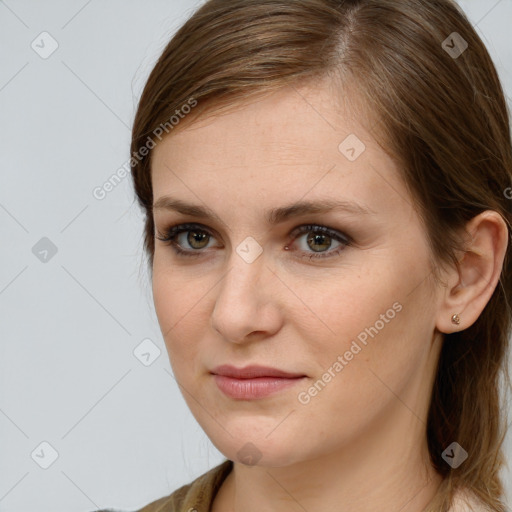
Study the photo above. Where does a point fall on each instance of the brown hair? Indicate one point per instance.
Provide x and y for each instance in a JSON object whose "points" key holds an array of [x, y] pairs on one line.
{"points": [[442, 116]]}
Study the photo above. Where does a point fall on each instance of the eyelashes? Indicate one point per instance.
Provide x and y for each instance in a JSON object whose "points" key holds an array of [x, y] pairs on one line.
{"points": [[319, 235]]}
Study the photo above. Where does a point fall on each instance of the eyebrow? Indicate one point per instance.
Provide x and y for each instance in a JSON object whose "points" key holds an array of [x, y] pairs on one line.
{"points": [[273, 216]]}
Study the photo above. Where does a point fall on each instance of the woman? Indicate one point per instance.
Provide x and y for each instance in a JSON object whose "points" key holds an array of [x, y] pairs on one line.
{"points": [[326, 187]]}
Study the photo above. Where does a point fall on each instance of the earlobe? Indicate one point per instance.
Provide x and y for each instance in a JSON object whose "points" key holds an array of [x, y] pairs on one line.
{"points": [[479, 271]]}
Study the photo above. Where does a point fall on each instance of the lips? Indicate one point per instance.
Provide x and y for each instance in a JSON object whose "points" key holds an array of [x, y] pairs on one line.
{"points": [[253, 371], [253, 382]]}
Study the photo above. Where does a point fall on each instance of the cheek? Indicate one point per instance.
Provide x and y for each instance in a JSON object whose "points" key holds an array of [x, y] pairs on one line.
{"points": [[178, 293], [336, 307], [369, 318], [181, 307], [348, 394]]}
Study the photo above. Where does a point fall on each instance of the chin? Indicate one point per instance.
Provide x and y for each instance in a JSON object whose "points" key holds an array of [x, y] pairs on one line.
{"points": [[259, 451]]}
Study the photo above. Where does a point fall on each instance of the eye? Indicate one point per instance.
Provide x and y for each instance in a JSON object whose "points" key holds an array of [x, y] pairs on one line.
{"points": [[319, 240], [197, 238]]}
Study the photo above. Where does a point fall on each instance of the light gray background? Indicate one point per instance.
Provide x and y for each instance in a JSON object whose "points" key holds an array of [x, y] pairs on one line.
{"points": [[69, 326]]}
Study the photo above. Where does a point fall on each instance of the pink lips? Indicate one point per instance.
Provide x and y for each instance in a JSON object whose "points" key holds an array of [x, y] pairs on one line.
{"points": [[253, 382]]}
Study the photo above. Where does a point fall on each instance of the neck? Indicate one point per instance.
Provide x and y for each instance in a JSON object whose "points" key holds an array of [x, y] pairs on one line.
{"points": [[386, 468]]}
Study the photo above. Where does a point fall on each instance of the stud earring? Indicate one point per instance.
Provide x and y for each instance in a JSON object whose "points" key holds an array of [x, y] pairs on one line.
{"points": [[456, 319]]}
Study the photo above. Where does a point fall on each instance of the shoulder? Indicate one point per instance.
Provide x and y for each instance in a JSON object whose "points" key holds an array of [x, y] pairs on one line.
{"points": [[466, 501], [196, 496]]}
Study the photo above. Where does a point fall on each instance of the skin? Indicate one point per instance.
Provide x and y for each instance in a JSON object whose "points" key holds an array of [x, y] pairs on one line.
{"points": [[360, 444]]}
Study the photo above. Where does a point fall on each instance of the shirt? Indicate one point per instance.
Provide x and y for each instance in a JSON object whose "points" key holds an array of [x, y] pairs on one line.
{"points": [[194, 497], [198, 495]]}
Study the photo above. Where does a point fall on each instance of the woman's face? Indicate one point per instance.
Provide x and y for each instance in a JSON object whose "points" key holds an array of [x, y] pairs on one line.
{"points": [[355, 320]]}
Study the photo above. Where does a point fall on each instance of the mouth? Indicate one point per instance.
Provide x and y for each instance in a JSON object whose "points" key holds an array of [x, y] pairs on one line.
{"points": [[253, 382]]}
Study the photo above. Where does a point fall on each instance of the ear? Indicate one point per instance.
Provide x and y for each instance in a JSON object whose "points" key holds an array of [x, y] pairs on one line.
{"points": [[469, 290]]}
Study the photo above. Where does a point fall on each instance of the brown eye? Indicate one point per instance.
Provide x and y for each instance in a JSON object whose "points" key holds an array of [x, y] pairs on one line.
{"points": [[186, 239], [319, 240], [197, 237], [324, 241]]}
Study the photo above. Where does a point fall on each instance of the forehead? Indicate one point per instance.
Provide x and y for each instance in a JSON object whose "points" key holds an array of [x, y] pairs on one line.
{"points": [[306, 115], [299, 142]]}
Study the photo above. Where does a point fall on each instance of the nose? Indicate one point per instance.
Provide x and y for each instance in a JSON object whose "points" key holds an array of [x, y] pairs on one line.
{"points": [[247, 303]]}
